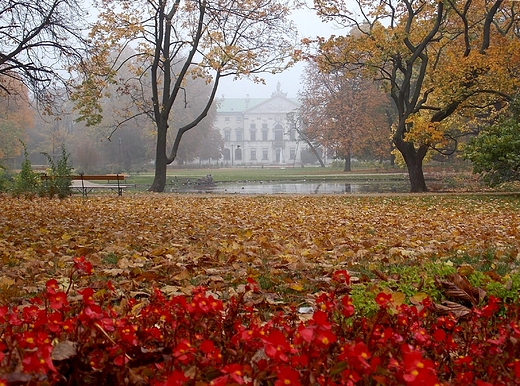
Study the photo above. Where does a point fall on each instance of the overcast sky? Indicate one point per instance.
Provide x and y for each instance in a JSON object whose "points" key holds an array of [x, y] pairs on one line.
{"points": [[309, 25]]}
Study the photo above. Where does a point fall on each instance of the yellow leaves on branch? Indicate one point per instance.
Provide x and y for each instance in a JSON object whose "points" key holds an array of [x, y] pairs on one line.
{"points": [[423, 131]]}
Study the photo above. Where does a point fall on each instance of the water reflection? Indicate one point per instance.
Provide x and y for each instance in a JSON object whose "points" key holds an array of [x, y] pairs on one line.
{"points": [[301, 188]]}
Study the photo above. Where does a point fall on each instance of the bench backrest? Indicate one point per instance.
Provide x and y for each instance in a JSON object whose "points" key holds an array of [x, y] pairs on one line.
{"points": [[85, 177]]}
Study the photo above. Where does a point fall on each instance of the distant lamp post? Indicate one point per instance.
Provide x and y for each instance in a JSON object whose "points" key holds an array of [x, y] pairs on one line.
{"points": [[233, 154], [119, 155]]}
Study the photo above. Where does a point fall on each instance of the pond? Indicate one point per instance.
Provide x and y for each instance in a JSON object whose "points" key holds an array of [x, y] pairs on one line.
{"points": [[301, 187]]}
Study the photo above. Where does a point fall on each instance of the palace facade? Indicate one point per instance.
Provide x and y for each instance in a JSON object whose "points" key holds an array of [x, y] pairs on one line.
{"points": [[257, 131]]}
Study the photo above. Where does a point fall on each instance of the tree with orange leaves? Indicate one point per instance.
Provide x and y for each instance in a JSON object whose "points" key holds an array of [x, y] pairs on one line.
{"points": [[445, 64], [16, 116], [347, 116]]}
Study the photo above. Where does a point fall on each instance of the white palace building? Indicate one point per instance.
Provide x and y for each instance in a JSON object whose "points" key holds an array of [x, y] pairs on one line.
{"points": [[257, 131]]}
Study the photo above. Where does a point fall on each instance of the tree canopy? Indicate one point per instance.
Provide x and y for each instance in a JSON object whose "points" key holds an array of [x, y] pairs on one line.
{"points": [[445, 64], [495, 152], [346, 115], [16, 117], [176, 40], [39, 42]]}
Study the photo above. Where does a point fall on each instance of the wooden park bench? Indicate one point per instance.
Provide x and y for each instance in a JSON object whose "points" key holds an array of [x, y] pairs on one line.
{"points": [[83, 182]]}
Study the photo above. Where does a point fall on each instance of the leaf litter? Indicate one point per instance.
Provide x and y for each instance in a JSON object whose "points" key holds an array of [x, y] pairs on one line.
{"points": [[289, 244]]}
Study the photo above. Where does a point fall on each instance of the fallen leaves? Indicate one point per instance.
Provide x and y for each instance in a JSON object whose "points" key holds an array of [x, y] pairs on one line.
{"points": [[175, 242]]}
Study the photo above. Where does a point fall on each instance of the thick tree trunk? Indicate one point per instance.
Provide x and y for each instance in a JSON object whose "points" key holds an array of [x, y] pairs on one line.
{"points": [[416, 176], [348, 164], [161, 160], [414, 163]]}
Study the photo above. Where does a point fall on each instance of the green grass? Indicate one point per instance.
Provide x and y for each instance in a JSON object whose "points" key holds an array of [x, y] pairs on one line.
{"points": [[225, 175]]}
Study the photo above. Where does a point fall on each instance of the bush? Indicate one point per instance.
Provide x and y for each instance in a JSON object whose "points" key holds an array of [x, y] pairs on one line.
{"points": [[6, 179], [495, 152], [27, 183], [60, 176]]}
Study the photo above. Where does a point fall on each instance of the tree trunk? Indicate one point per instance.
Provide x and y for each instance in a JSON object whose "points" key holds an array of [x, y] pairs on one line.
{"points": [[416, 176], [161, 160], [414, 163], [348, 164]]}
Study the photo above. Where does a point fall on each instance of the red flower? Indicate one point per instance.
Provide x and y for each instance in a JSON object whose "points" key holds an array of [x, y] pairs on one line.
{"points": [[235, 371], [351, 376], [491, 308], [209, 349], [361, 352], [82, 265], [183, 351], [307, 334], [97, 359], [439, 335], [33, 363], [204, 304], [88, 295], [357, 355], [35, 316], [52, 286], [287, 376], [28, 340], [13, 318], [92, 312], [516, 368], [54, 321], [69, 325], [277, 346], [340, 276], [348, 307], [58, 300], [127, 333], [326, 302], [39, 361], [418, 371], [176, 378], [421, 335], [321, 319], [383, 299], [324, 338]]}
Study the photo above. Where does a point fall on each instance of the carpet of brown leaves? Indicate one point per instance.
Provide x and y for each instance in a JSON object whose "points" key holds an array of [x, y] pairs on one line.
{"points": [[174, 242]]}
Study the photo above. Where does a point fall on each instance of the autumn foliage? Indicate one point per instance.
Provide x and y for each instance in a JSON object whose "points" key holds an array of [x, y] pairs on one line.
{"points": [[173, 290], [447, 65]]}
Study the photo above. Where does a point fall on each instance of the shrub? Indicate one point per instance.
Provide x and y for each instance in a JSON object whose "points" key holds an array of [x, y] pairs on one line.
{"points": [[60, 176], [6, 179], [27, 182]]}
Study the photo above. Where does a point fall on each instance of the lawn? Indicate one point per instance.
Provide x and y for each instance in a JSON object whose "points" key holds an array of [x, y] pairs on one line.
{"points": [[280, 261], [257, 174]]}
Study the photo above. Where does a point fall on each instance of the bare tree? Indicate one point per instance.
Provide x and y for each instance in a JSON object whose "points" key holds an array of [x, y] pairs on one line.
{"points": [[39, 42], [179, 39]]}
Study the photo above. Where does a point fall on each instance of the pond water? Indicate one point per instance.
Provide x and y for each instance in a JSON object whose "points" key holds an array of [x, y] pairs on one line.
{"points": [[305, 187]]}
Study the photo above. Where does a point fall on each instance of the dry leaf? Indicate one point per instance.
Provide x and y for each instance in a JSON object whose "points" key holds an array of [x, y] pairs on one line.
{"points": [[64, 350], [417, 298], [459, 288], [447, 307]]}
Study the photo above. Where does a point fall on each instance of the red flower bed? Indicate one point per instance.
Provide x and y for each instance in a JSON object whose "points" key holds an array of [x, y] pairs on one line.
{"points": [[98, 337]]}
